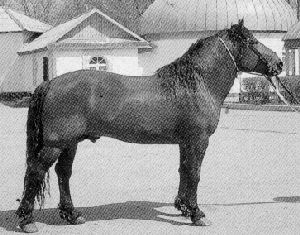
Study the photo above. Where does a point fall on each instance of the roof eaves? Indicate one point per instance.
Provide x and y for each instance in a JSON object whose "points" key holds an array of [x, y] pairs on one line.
{"points": [[32, 51], [73, 23], [11, 13], [119, 25], [26, 48], [13, 18], [72, 26]]}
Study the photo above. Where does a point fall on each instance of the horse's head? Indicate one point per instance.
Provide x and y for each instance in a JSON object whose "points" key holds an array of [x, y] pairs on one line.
{"points": [[251, 55]]}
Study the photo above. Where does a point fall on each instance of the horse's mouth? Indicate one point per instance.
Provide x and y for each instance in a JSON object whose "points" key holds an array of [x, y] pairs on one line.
{"points": [[274, 70]]}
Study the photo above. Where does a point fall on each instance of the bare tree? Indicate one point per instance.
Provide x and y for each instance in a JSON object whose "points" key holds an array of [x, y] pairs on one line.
{"points": [[43, 10], [70, 9], [3, 2], [298, 9]]}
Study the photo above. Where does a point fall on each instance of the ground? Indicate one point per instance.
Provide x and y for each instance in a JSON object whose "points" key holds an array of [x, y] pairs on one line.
{"points": [[249, 180]]}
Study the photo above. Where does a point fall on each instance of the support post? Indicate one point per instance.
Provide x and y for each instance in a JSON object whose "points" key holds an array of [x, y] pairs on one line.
{"points": [[298, 61], [293, 67], [287, 61]]}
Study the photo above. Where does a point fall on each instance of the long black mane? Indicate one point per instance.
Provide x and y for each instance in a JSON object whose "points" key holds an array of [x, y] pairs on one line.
{"points": [[184, 72]]}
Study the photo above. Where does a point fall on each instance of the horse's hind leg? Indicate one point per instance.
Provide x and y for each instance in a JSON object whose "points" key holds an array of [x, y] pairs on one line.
{"points": [[192, 151], [63, 169], [34, 185]]}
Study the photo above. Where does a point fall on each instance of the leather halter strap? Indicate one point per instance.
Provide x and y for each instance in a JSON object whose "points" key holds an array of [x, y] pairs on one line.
{"points": [[233, 60]]}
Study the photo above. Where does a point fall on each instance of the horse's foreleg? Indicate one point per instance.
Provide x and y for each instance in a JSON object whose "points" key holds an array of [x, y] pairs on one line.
{"points": [[179, 201], [192, 151], [63, 169], [33, 182]]}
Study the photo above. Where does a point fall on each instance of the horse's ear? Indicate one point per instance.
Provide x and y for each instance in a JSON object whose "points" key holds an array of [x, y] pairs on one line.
{"points": [[241, 22]]}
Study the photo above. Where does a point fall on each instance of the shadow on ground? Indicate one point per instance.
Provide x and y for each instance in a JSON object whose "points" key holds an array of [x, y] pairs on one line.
{"points": [[292, 199], [135, 210]]}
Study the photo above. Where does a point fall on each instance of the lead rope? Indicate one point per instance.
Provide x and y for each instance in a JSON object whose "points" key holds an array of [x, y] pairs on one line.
{"points": [[276, 88], [272, 84]]}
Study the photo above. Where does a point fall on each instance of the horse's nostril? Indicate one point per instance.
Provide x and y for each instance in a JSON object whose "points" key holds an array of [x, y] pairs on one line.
{"points": [[280, 65]]}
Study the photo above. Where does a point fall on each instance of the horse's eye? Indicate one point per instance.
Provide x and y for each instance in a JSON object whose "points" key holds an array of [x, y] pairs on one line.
{"points": [[252, 40]]}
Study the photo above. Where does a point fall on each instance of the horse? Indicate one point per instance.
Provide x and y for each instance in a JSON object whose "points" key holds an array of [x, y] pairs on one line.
{"points": [[179, 104]]}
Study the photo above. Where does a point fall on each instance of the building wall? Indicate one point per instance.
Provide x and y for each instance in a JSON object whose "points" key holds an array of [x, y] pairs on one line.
{"points": [[122, 61], [20, 76], [10, 43]]}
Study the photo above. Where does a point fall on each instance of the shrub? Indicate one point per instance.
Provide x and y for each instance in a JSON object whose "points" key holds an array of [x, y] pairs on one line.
{"points": [[256, 90], [14, 96]]}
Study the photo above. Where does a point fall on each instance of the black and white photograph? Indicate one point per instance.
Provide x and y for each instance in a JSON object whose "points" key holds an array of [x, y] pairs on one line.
{"points": [[150, 117]]}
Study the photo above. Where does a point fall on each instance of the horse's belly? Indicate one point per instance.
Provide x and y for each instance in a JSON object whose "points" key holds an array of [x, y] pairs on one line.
{"points": [[131, 131], [137, 120], [143, 138]]}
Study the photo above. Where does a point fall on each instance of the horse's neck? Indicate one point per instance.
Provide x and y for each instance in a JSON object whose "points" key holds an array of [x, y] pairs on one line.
{"points": [[217, 69]]}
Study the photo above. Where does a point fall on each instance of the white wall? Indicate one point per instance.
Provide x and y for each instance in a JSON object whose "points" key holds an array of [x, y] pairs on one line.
{"points": [[27, 71], [10, 43], [20, 76], [122, 61]]}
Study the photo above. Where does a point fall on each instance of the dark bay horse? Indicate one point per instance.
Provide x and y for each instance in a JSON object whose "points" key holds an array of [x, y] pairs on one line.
{"points": [[179, 104]]}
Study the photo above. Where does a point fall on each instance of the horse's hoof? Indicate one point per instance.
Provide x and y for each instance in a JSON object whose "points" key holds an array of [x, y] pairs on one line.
{"points": [[79, 220], [202, 222], [29, 228]]}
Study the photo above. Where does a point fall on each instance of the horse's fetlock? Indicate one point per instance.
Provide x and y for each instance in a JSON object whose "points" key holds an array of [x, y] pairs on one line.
{"points": [[180, 205], [25, 216], [69, 214], [196, 214]]}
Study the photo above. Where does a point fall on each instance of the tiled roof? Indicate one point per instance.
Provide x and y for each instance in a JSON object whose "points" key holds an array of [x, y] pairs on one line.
{"points": [[12, 21], [53, 35], [172, 16]]}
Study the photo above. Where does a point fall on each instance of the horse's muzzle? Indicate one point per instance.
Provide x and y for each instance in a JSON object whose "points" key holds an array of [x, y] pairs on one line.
{"points": [[274, 70]]}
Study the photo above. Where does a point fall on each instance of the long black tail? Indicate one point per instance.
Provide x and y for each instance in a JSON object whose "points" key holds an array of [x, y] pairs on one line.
{"points": [[35, 134]]}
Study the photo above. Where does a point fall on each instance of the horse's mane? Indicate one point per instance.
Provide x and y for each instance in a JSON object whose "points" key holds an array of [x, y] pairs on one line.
{"points": [[181, 72]]}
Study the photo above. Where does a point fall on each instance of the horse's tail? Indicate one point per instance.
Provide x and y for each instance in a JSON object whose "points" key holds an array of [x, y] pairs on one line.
{"points": [[35, 135]]}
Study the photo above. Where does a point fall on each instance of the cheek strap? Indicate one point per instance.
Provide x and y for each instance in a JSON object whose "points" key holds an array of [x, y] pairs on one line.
{"points": [[233, 60]]}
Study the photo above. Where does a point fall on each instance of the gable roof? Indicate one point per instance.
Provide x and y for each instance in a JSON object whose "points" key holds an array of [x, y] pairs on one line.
{"points": [[12, 21], [53, 35]]}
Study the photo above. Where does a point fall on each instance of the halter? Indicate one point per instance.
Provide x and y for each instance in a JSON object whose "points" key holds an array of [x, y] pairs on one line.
{"points": [[233, 60], [262, 58], [255, 51]]}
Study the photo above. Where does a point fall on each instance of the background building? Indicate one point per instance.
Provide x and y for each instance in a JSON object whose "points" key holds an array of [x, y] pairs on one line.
{"points": [[93, 40], [15, 30], [173, 25], [90, 41]]}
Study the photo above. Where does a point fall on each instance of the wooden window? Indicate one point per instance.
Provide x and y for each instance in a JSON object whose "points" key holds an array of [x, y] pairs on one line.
{"points": [[45, 69], [98, 63]]}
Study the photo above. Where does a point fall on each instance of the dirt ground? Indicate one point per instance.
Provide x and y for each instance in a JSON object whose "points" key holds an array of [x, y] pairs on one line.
{"points": [[249, 180]]}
